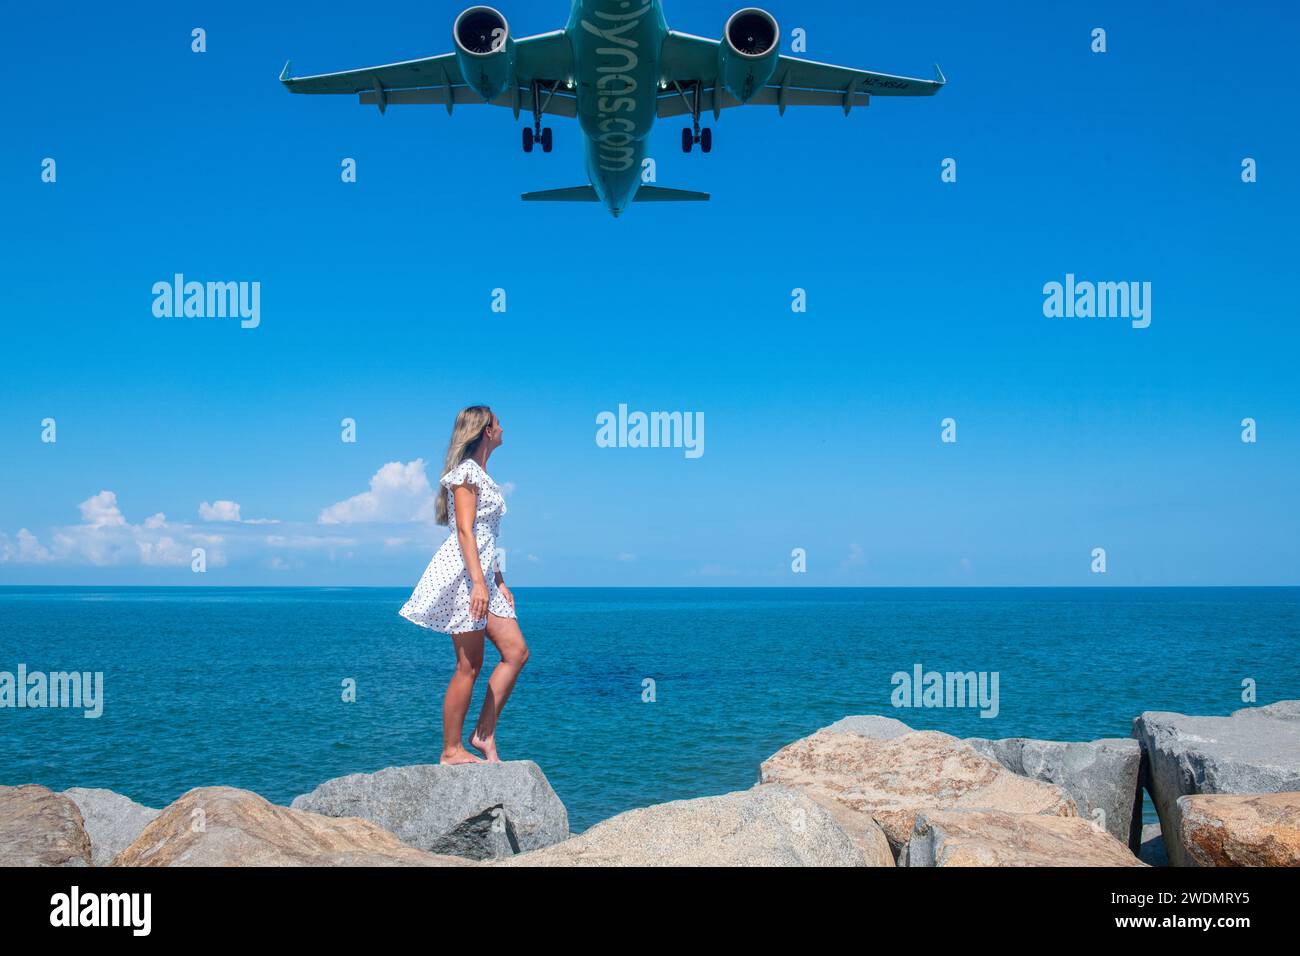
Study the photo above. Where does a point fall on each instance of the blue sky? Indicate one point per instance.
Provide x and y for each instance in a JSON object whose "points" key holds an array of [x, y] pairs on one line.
{"points": [[822, 429]]}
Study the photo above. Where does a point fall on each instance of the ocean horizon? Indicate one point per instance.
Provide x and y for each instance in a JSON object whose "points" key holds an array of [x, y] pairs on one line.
{"points": [[632, 696]]}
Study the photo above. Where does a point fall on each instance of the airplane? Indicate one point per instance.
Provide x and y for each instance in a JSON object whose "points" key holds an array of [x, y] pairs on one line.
{"points": [[616, 68]]}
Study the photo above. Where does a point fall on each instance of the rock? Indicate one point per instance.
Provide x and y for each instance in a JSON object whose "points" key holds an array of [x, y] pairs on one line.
{"points": [[39, 827], [866, 833], [1101, 775], [488, 836], [112, 821], [891, 780], [997, 838], [762, 826], [430, 806], [1240, 830], [222, 826], [1255, 750], [869, 725], [1278, 710], [1152, 852]]}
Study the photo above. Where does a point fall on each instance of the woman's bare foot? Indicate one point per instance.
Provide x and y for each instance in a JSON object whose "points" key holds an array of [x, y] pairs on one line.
{"points": [[485, 745], [459, 755]]}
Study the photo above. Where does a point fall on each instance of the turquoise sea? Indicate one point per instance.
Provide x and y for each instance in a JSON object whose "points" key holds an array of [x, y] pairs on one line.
{"points": [[244, 687]]}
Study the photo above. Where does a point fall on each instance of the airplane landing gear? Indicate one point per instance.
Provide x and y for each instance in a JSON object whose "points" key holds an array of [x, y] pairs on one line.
{"points": [[542, 136], [702, 136], [538, 133], [693, 134]]}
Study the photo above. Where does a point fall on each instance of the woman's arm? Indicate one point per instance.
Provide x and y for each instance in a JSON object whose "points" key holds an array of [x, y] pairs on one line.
{"points": [[505, 591], [466, 509]]}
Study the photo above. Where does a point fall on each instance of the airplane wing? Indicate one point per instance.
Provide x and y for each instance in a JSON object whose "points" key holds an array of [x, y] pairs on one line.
{"points": [[689, 60], [546, 58]]}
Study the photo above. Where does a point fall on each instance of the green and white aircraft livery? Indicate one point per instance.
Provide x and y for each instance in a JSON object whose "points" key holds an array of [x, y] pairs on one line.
{"points": [[616, 68]]}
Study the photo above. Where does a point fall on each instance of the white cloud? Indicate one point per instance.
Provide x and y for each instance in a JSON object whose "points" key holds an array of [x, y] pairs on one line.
{"points": [[101, 511], [398, 493], [399, 503], [105, 538], [165, 551], [229, 512], [219, 511], [309, 542], [27, 551]]}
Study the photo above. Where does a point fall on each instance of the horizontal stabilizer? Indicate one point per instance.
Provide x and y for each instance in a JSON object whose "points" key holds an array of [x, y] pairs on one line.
{"points": [[659, 194], [572, 194]]}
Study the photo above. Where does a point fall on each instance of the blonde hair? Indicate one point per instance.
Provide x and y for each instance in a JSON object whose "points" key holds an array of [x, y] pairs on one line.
{"points": [[465, 438]]}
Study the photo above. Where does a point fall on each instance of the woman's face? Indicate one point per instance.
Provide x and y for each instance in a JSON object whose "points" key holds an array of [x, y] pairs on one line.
{"points": [[494, 433]]}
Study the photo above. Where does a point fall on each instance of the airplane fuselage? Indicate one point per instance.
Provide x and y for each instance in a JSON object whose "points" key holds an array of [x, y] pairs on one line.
{"points": [[615, 66], [616, 53]]}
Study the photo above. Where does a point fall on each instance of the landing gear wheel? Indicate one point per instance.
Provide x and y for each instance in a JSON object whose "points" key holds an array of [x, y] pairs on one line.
{"points": [[547, 140], [706, 139], [688, 140], [528, 139]]}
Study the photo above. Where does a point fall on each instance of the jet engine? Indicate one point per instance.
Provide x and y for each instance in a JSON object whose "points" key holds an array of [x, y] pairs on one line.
{"points": [[751, 47], [485, 51]]}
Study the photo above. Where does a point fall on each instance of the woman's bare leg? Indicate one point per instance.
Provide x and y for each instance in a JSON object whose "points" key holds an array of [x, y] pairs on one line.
{"points": [[504, 632], [469, 661]]}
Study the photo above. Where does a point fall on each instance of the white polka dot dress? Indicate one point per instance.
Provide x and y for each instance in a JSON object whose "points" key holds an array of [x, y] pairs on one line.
{"points": [[440, 601]]}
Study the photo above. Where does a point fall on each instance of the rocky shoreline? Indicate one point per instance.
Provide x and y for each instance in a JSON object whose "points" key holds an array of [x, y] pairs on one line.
{"points": [[864, 791]]}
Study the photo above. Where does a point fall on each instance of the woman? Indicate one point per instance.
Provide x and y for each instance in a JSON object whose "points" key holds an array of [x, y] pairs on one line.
{"points": [[454, 595]]}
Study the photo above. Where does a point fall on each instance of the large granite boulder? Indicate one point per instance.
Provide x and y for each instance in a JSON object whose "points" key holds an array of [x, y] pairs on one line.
{"points": [[889, 781], [222, 826], [997, 838], [112, 821], [480, 811], [1240, 830], [1278, 710], [762, 826], [1255, 750], [1104, 776], [39, 827], [870, 725]]}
